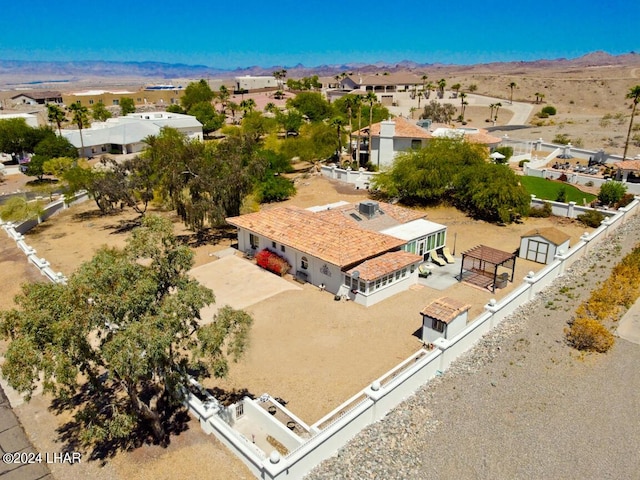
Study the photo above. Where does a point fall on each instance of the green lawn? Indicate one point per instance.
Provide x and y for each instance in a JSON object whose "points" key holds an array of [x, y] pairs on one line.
{"points": [[548, 190]]}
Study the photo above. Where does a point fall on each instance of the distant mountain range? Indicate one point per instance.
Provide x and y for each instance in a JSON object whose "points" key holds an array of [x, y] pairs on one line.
{"points": [[38, 72]]}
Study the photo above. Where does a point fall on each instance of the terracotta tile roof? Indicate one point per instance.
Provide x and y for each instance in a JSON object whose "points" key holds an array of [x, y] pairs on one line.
{"points": [[391, 216], [552, 234], [384, 264], [404, 129], [628, 165], [308, 232], [445, 309]]}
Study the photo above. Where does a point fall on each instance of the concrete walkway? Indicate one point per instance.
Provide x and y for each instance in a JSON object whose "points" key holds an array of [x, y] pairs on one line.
{"points": [[629, 327], [13, 439]]}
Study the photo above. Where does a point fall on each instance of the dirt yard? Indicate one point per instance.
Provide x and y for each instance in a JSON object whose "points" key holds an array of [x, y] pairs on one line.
{"points": [[305, 347]]}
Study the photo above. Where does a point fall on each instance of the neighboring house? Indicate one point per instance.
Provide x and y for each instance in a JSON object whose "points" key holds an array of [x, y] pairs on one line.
{"points": [[110, 98], [340, 247], [628, 171], [384, 86], [29, 118], [249, 82], [542, 244], [37, 97], [126, 134], [390, 137], [444, 317]]}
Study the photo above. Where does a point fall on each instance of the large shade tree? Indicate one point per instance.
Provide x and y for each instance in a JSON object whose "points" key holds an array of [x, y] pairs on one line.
{"points": [[118, 343]]}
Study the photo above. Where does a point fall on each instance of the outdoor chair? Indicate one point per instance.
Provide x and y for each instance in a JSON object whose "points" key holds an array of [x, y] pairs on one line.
{"points": [[424, 270], [447, 255], [433, 256]]}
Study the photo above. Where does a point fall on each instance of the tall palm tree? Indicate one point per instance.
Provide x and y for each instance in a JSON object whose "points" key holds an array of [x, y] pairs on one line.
{"points": [[512, 85], [491, 108], [248, 105], [428, 88], [424, 82], [456, 88], [497, 107], [441, 84], [223, 95], [358, 105], [371, 98], [56, 115], [338, 123], [634, 95], [349, 103], [462, 102], [80, 116]]}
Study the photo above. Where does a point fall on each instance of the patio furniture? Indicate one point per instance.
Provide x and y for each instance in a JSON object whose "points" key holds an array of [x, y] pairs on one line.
{"points": [[447, 255], [433, 256], [424, 270]]}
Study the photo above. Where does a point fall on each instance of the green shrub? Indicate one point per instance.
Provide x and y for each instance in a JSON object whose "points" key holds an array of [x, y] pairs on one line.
{"points": [[549, 110], [626, 199], [542, 212], [612, 192], [505, 150], [561, 138], [561, 196], [274, 188], [592, 218]]}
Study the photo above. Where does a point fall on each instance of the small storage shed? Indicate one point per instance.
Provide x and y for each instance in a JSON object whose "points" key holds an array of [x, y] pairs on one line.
{"points": [[443, 317], [541, 244]]}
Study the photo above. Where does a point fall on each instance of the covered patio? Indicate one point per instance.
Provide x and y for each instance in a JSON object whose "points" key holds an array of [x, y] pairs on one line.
{"points": [[480, 267]]}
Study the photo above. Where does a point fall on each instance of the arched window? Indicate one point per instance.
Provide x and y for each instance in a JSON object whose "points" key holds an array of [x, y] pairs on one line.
{"points": [[304, 263]]}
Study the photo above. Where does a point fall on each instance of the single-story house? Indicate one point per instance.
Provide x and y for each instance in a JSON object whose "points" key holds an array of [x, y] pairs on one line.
{"points": [[126, 134], [443, 317], [628, 171], [37, 97], [340, 247], [541, 244]]}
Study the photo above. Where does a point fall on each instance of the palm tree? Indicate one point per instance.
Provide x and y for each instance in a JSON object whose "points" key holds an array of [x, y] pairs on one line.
{"points": [[80, 116], [441, 84], [512, 85], [338, 123], [424, 82], [358, 104], [428, 87], [349, 103], [497, 107], [270, 107], [634, 95], [56, 115], [223, 95], [462, 102], [247, 105], [456, 88], [233, 108], [491, 107], [370, 98]]}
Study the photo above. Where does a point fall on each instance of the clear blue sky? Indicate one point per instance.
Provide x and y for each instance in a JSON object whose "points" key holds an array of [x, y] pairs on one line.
{"points": [[241, 33]]}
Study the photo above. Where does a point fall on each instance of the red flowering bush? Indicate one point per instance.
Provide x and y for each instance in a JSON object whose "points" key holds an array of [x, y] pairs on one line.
{"points": [[272, 261]]}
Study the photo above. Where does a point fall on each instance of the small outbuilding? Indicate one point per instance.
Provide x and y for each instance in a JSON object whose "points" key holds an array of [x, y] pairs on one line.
{"points": [[443, 317], [541, 244]]}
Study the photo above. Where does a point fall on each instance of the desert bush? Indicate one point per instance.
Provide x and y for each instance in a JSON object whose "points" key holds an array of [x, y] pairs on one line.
{"points": [[626, 199], [542, 115], [589, 334], [592, 218], [549, 110], [561, 138], [542, 212], [272, 261]]}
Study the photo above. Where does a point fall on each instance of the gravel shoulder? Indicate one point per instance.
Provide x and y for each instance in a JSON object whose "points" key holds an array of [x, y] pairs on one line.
{"points": [[521, 404]]}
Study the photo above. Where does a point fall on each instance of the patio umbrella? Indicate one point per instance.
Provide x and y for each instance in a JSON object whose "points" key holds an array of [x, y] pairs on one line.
{"points": [[497, 156]]}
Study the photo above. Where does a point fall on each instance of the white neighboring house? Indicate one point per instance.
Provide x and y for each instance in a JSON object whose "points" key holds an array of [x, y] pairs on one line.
{"points": [[541, 244], [249, 82], [444, 317], [29, 118], [340, 247], [126, 134], [390, 137]]}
